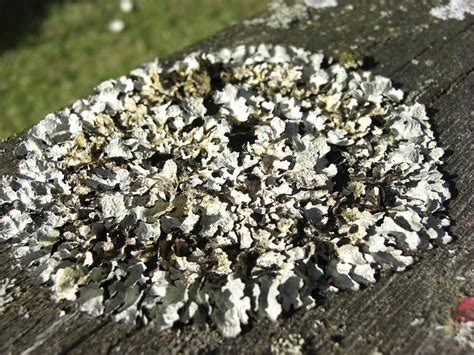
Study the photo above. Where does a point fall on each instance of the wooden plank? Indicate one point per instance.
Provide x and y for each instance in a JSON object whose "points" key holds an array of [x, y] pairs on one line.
{"points": [[402, 313]]}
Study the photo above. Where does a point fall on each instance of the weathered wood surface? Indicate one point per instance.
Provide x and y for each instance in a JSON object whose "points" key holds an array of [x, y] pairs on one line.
{"points": [[402, 313]]}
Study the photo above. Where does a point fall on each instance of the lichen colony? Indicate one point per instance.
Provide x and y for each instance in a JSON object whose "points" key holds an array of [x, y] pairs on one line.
{"points": [[224, 186]]}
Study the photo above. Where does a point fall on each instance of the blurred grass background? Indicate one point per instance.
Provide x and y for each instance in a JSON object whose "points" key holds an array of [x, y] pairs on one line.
{"points": [[55, 51]]}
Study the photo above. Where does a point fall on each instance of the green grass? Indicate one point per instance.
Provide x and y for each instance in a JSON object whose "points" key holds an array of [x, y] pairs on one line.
{"points": [[72, 51]]}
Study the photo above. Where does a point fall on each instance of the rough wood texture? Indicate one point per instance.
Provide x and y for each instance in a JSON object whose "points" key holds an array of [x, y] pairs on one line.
{"points": [[402, 313]]}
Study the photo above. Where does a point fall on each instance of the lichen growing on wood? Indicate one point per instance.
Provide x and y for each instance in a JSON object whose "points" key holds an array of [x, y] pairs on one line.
{"points": [[454, 9], [225, 186], [282, 14]]}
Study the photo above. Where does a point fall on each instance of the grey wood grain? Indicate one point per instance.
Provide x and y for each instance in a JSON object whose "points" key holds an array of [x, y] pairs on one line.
{"points": [[403, 313]]}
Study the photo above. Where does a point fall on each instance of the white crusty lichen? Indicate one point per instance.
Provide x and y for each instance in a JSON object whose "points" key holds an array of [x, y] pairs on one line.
{"points": [[320, 4], [454, 9], [282, 13], [223, 187], [291, 345]]}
